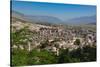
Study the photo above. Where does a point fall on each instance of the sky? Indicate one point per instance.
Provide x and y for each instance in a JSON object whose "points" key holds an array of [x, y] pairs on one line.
{"points": [[61, 11]]}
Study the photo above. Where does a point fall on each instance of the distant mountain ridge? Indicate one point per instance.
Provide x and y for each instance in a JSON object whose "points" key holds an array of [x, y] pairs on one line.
{"points": [[36, 19], [83, 20], [55, 20], [92, 23]]}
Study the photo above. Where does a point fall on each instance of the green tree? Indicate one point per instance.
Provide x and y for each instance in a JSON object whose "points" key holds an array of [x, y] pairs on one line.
{"points": [[85, 54], [77, 42], [19, 57], [44, 44], [41, 57], [89, 54], [64, 56]]}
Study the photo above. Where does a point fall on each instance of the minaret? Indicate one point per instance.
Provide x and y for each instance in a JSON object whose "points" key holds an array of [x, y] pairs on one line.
{"points": [[29, 46]]}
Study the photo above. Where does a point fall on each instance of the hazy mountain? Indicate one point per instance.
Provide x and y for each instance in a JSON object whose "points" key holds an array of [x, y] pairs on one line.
{"points": [[42, 19], [83, 20], [17, 15], [36, 19], [92, 23], [55, 20]]}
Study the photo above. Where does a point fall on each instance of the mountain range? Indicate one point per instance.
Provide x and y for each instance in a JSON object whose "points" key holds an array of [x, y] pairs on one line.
{"points": [[36, 19], [83, 20], [55, 20]]}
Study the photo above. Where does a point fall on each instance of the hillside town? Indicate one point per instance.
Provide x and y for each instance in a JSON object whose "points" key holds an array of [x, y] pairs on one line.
{"points": [[51, 37], [52, 33]]}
